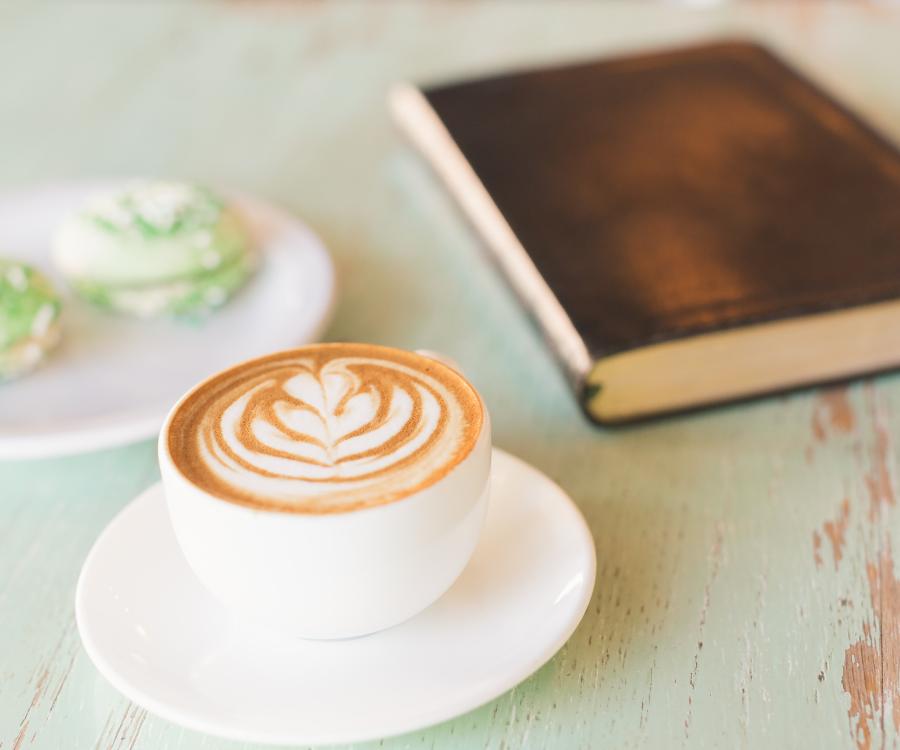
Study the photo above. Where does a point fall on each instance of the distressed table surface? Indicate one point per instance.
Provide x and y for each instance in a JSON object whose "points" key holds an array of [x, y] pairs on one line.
{"points": [[747, 593]]}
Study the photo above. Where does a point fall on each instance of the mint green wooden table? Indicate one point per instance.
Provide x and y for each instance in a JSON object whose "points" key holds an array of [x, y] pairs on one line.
{"points": [[747, 594]]}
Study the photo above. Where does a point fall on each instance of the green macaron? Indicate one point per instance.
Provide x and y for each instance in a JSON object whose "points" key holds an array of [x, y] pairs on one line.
{"points": [[155, 248], [29, 318]]}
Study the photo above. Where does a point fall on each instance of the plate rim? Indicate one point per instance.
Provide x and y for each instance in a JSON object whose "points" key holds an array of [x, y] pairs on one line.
{"points": [[419, 721]]}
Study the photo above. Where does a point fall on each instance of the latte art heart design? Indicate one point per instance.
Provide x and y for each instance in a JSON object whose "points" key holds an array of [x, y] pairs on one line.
{"points": [[333, 432], [344, 422]]}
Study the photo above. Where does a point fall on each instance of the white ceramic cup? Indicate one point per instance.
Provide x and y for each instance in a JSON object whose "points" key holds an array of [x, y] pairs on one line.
{"points": [[335, 575]]}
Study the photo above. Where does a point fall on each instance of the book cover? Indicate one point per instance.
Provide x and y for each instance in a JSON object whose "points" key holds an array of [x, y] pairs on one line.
{"points": [[687, 227]]}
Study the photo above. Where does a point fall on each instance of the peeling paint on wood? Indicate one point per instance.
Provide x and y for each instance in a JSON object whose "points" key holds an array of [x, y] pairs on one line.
{"points": [[871, 674], [835, 531], [878, 479], [833, 413], [871, 662], [817, 548]]}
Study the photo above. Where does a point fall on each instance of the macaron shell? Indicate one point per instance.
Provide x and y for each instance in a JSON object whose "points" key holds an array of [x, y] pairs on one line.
{"points": [[187, 296], [26, 354], [29, 304], [86, 250]]}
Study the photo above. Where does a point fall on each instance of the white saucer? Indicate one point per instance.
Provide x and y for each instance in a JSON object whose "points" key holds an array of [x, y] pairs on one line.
{"points": [[113, 379], [159, 638]]}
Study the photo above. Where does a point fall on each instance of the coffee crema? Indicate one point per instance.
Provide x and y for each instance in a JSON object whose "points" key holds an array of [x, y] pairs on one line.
{"points": [[326, 428]]}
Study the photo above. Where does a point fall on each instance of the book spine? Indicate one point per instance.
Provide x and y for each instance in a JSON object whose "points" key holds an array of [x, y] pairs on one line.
{"points": [[423, 127]]}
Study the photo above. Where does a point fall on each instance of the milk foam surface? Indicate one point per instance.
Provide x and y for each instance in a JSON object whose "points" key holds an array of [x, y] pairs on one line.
{"points": [[325, 428]]}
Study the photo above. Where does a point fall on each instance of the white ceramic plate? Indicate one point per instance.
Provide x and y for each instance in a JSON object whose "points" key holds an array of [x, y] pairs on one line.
{"points": [[113, 379], [157, 636]]}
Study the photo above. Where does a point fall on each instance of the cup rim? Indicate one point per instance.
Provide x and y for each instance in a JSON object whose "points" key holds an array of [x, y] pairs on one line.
{"points": [[165, 455]]}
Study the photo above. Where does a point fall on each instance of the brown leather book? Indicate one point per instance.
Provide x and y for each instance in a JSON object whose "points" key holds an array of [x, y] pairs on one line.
{"points": [[686, 227]]}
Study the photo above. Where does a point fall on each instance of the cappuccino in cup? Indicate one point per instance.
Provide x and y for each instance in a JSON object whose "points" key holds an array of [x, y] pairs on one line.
{"points": [[331, 490]]}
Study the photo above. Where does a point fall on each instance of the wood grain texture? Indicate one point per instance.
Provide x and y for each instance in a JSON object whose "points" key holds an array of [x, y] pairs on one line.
{"points": [[747, 590]]}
